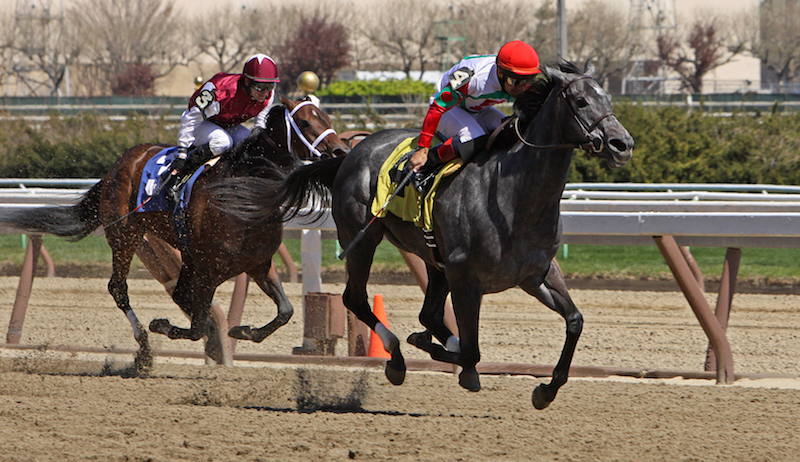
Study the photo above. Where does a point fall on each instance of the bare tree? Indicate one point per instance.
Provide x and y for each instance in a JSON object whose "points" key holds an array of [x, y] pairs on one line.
{"points": [[492, 23], [597, 32], [230, 35], [771, 32], [704, 52], [120, 34], [404, 34], [6, 43], [44, 46]]}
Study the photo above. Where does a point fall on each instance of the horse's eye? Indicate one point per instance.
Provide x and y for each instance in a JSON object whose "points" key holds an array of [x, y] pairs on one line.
{"points": [[581, 102]]}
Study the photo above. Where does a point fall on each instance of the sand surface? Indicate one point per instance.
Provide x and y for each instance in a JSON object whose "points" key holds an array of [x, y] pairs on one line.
{"points": [[76, 406]]}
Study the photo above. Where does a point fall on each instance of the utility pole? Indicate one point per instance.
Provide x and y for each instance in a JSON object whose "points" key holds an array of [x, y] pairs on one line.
{"points": [[561, 29]]}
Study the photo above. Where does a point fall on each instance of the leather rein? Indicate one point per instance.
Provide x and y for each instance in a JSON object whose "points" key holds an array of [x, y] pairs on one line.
{"points": [[591, 146]]}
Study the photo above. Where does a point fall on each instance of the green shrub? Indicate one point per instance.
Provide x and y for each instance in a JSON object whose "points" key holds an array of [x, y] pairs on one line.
{"points": [[389, 87], [81, 146], [673, 145]]}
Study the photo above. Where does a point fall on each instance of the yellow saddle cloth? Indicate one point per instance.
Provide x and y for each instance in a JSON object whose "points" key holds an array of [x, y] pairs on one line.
{"points": [[409, 205]]}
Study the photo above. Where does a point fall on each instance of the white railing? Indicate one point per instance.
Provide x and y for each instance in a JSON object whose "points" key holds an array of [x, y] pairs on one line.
{"points": [[593, 213]]}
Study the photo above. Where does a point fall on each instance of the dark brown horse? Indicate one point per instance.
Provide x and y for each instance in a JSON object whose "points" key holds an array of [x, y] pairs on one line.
{"points": [[219, 247]]}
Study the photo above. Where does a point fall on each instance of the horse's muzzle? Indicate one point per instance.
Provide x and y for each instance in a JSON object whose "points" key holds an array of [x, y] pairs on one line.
{"points": [[619, 150]]}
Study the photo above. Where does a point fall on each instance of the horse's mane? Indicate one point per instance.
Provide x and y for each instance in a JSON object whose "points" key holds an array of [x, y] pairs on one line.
{"points": [[256, 154], [528, 104]]}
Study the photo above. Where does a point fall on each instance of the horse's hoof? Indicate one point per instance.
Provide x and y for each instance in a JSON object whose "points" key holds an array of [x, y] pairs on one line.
{"points": [[241, 332], [214, 350], [160, 326], [143, 362], [420, 339], [539, 398], [469, 379], [395, 376]]}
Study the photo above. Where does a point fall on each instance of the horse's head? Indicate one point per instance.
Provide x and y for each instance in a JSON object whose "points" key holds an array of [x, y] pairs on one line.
{"points": [[587, 119], [309, 130]]}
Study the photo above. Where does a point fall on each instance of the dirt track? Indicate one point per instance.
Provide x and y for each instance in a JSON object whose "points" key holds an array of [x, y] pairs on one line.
{"points": [[58, 406]]}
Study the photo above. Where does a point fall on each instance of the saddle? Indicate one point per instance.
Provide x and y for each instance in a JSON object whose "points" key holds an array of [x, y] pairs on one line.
{"points": [[155, 199], [409, 204]]}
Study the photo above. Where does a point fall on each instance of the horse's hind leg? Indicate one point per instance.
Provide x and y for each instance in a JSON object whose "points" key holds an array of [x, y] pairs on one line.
{"points": [[553, 293], [123, 248], [359, 262], [266, 276]]}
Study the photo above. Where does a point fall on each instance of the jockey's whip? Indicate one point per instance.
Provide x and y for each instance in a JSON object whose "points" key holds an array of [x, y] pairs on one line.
{"points": [[361, 233], [155, 193]]}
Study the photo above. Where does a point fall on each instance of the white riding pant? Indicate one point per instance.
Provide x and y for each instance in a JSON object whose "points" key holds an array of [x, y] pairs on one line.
{"points": [[458, 122], [219, 139]]}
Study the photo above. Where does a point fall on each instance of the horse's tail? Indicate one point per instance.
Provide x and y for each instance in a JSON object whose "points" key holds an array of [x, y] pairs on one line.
{"points": [[73, 221], [275, 195], [307, 190]]}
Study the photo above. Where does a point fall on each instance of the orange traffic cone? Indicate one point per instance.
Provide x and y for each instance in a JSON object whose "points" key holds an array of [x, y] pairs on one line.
{"points": [[375, 344]]}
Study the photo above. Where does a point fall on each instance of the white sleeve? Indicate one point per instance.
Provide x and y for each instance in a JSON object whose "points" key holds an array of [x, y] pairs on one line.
{"points": [[261, 118], [192, 117]]}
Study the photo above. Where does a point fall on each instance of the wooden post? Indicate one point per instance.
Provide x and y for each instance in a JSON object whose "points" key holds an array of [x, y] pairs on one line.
{"points": [[727, 287], [683, 275], [14, 333]]}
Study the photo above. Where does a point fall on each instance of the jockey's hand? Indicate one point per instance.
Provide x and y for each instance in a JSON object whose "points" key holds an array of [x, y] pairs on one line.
{"points": [[179, 161], [418, 159]]}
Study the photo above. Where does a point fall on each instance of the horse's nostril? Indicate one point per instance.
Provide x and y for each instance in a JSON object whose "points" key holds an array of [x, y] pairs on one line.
{"points": [[618, 145]]}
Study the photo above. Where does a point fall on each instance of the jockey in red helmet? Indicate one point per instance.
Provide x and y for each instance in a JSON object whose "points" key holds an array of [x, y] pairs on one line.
{"points": [[212, 121], [461, 109]]}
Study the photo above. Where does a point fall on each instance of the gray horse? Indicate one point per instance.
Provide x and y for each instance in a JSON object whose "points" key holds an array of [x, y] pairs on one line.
{"points": [[496, 223]]}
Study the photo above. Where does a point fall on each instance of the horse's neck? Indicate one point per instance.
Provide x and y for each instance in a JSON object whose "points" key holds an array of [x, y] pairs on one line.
{"points": [[542, 172]]}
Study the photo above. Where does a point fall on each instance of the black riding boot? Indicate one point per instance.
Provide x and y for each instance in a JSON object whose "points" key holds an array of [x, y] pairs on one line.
{"points": [[194, 159], [444, 153]]}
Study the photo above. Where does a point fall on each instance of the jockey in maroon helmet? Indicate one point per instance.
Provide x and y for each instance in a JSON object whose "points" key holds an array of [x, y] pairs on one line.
{"points": [[212, 123]]}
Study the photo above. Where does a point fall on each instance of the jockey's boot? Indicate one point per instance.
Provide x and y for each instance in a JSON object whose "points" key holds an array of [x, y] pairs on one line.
{"points": [[196, 157], [444, 153]]}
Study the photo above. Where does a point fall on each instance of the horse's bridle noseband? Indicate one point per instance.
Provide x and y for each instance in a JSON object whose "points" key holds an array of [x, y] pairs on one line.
{"points": [[312, 146], [591, 145]]}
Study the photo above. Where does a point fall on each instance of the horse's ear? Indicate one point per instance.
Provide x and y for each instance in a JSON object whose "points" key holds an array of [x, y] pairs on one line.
{"points": [[555, 73], [288, 103], [589, 68]]}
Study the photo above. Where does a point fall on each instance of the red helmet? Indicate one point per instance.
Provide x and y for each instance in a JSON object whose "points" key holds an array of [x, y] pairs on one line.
{"points": [[261, 68], [518, 58]]}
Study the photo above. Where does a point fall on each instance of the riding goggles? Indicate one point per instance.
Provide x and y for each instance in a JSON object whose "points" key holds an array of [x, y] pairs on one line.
{"points": [[514, 81], [262, 86]]}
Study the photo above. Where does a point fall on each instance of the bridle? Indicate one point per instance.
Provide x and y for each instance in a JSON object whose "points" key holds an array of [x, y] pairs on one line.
{"points": [[593, 145], [291, 125]]}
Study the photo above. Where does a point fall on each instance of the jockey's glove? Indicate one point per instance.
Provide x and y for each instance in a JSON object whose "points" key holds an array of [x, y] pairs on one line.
{"points": [[177, 164]]}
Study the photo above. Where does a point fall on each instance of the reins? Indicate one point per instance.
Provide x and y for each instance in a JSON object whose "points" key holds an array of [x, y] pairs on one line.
{"points": [[589, 146]]}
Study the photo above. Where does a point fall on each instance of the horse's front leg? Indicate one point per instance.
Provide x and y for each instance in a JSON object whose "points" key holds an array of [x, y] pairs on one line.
{"points": [[432, 317], [467, 294], [266, 276], [122, 254], [553, 293]]}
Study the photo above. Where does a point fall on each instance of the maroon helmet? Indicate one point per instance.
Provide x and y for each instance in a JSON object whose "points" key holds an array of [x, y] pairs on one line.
{"points": [[261, 68]]}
